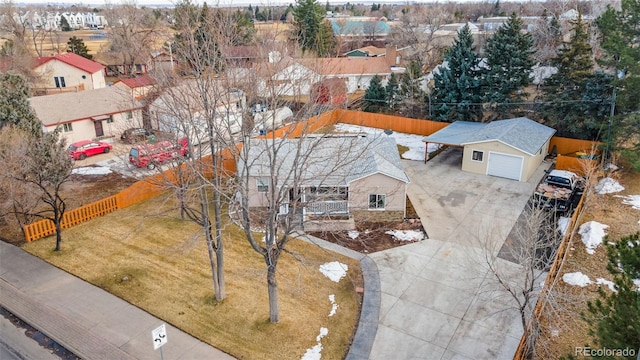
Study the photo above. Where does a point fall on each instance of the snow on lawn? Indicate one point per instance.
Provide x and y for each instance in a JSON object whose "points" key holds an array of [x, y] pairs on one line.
{"points": [[406, 235], [334, 305], [576, 278], [633, 200], [413, 142], [592, 233], [314, 352], [91, 170], [334, 270], [563, 224], [609, 283], [608, 185], [353, 234]]}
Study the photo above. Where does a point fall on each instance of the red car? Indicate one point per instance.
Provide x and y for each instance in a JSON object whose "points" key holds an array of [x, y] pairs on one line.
{"points": [[81, 149]]}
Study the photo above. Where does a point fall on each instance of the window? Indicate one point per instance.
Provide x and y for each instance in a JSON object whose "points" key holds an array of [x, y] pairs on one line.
{"points": [[67, 127], [59, 80], [263, 184], [110, 119], [377, 201], [477, 155], [129, 115]]}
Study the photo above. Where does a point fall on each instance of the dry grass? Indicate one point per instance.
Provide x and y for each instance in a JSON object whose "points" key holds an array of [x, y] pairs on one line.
{"points": [[564, 328], [166, 263]]}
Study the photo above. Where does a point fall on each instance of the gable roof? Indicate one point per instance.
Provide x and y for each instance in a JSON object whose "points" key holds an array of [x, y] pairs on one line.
{"points": [[74, 60], [347, 66], [73, 106], [332, 161], [520, 133], [371, 51]]}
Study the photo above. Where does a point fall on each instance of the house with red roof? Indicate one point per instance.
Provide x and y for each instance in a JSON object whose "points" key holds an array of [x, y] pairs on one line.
{"points": [[67, 72], [140, 86]]}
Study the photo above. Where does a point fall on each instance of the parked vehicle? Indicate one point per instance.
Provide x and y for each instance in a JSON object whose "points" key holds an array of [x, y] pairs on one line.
{"points": [[82, 149], [560, 191], [152, 155], [271, 119], [133, 135]]}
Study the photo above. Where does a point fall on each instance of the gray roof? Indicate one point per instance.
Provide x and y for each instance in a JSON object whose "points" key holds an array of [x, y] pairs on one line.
{"points": [[520, 133], [66, 107], [328, 161]]}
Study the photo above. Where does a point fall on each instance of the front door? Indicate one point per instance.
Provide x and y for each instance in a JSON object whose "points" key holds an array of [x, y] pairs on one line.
{"points": [[98, 126]]}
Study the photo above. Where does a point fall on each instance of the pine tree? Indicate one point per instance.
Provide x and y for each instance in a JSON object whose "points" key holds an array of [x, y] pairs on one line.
{"points": [[312, 31], [14, 104], [616, 315], [577, 100], [509, 61], [375, 97], [392, 91], [64, 24], [410, 90], [457, 92], [77, 46]]}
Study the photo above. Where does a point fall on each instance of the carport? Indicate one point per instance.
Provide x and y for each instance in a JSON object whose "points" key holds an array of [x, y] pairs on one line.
{"points": [[511, 148]]}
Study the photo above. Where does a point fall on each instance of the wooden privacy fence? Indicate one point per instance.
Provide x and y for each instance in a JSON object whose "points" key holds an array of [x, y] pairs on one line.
{"points": [[574, 164], [43, 228], [550, 280], [566, 146], [395, 123]]}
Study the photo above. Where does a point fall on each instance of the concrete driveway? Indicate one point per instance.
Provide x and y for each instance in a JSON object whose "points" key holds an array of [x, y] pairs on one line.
{"points": [[438, 298]]}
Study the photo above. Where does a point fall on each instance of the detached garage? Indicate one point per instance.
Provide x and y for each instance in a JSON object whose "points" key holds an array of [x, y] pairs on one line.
{"points": [[512, 148]]}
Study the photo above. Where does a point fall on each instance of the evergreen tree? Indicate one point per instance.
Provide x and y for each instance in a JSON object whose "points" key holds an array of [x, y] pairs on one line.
{"points": [[245, 29], [64, 24], [617, 314], [312, 31], [577, 100], [410, 90], [392, 91], [457, 92], [196, 39], [375, 97], [14, 104], [509, 61], [620, 40], [77, 46]]}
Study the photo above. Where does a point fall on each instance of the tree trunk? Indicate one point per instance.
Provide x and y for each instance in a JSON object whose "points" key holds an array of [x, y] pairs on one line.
{"points": [[221, 294], [210, 248], [272, 283], [58, 234]]}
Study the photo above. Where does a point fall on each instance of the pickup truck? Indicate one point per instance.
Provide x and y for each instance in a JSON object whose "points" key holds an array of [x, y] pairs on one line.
{"points": [[560, 191]]}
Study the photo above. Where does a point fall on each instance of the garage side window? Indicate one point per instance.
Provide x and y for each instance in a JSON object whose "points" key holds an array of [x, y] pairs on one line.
{"points": [[477, 155], [377, 201], [67, 127], [263, 184]]}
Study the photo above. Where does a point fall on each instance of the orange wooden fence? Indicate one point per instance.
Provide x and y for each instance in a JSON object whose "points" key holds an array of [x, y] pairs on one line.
{"points": [[550, 280], [566, 146], [395, 123], [42, 228], [574, 164]]}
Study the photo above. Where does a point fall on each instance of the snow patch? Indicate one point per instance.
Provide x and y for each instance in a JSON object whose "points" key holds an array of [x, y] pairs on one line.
{"points": [[609, 283], [335, 270], [353, 234], [334, 306], [633, 200], [406, 235], [576, 278], [92, 170], [315, 352], [413, 142], [563, 224], [592, 234], [608, 185]]}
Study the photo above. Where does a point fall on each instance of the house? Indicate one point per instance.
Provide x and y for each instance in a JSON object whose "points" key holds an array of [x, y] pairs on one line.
{"points": [[121, 64], [360, 28], [512, 148], [140, 86], [367, 51], [67, 72], [356, 72], [90, 114], [243, 55], [348, 176]]}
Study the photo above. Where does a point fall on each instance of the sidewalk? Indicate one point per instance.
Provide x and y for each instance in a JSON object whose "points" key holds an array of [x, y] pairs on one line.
{"points": [[85, 319]]}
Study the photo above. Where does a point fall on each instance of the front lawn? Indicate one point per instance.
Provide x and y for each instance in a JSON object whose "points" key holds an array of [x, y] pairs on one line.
{"points": [[148, 256]]}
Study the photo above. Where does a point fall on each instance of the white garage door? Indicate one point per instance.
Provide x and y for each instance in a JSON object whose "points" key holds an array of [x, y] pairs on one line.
{"points": [[506, 166]]}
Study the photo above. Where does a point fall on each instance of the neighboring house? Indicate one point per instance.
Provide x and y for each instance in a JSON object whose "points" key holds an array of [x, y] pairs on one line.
{"points": [[354, 176], [243, 55], [356, 72], [140, 86], [512, 148], [367, 51], [67, 72], [120, 64], [91, 114], [360, 28]]}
